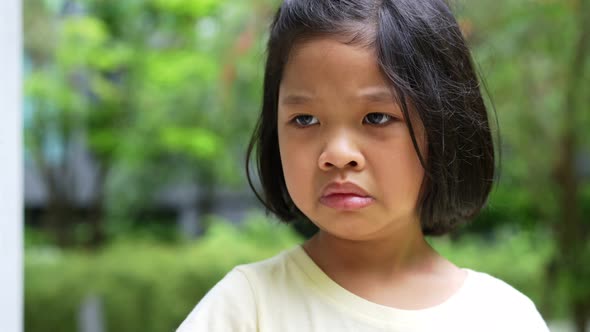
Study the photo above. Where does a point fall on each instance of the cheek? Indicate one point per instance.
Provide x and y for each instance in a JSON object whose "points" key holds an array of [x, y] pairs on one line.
{"points": [[401, 173], [297, 163]]}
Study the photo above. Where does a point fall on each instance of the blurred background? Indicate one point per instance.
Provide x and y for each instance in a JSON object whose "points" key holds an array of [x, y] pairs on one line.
{"points": [[137, 117]]}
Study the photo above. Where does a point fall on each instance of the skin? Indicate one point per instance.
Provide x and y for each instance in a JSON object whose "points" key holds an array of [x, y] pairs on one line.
{"points": [[338, 121]]}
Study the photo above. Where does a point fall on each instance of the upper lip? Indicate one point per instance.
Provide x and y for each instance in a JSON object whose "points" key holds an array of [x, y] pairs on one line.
{"points": [[344, 188]]}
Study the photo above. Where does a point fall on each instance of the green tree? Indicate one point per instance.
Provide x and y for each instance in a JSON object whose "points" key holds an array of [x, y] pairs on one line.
{"points": [[148, 87], [75, 103]]}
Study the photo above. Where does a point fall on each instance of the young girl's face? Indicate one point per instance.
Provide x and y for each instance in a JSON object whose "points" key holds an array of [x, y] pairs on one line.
{"points": [[347, 155]]}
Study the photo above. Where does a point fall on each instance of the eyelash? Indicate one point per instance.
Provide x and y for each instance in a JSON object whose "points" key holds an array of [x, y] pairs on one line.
{"points": [[389, 120]]}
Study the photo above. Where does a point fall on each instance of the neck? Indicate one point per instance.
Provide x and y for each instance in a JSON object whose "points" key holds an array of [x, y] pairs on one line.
{"points": [[389, 256]]}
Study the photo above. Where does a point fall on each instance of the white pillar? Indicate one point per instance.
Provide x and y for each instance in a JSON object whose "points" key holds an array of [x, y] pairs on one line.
{"points": [[11, 192]]}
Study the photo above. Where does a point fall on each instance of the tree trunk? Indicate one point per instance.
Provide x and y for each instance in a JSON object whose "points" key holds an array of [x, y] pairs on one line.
{"points": [[96, 211], [569, 230], [57, 221], [581, 313], [206, 201], [58, 214], [95, 219]]}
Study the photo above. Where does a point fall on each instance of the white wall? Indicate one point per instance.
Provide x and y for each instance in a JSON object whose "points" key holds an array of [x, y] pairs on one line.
{"points": [[11, 193]]}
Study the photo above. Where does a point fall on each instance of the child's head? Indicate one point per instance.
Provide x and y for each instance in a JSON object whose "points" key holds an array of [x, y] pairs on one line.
{"points": [[313, 130]]}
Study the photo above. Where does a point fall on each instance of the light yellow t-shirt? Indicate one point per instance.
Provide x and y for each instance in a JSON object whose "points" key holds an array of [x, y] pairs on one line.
{"points": [[290, 293]]}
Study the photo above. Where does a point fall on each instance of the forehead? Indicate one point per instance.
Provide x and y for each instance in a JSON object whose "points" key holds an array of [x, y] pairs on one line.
{"points": [[327, 66]]}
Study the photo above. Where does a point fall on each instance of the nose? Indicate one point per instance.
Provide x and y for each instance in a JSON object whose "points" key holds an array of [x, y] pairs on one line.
{"points": [[341, 152]]}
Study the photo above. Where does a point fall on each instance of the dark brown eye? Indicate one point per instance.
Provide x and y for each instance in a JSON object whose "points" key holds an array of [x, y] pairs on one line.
{"points": [[378, 118]]}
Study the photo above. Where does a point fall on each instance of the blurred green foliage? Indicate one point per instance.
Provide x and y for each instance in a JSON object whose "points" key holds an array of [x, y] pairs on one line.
{"points": [[142, 87]]}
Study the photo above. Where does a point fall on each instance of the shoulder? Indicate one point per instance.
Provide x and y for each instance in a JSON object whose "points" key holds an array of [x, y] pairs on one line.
{"points": [[228, 306], [488, 283], [232, 304], [271, 269], [503, 302], [490, 287]]}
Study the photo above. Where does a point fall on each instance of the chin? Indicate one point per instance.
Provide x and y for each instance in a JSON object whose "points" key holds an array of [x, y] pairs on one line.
{"points": [[351, 229]]}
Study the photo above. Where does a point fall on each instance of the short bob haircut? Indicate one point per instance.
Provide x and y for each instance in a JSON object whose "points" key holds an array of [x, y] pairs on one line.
{"points": [[421, 51]]}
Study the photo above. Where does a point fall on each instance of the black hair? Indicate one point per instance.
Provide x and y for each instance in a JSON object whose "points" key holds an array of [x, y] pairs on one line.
{"points": [[422, 52]]}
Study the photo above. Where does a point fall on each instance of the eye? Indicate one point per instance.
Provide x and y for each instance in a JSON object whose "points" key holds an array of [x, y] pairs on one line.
{"points": [[378, 119], [305, 120]]}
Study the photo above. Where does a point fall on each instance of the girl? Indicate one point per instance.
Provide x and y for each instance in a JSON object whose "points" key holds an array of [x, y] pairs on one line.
{"points": [[374, 129]]}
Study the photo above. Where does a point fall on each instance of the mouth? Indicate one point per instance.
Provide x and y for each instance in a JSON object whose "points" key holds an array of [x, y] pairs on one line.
{"points": [[345, 197]]}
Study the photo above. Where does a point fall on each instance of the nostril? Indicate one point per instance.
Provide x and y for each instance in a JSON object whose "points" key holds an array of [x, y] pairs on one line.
{"points": [[353, 163]]}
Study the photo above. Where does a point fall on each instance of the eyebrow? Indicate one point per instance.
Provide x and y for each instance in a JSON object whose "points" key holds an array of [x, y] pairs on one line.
{"points": [[371, 94], [296, 99], [377, 95]]}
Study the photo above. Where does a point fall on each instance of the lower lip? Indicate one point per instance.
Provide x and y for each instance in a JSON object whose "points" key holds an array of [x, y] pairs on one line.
{"points": [[346, 201]]}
